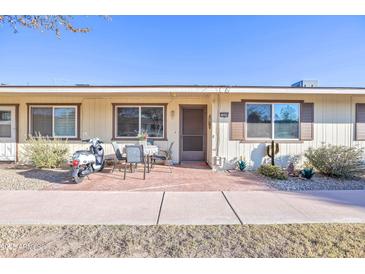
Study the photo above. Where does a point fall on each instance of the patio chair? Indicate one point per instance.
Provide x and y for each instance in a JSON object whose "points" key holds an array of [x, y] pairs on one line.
{"points": [[118, 159], [161, 157], [134, 155], [157, 157], [152, 158]]}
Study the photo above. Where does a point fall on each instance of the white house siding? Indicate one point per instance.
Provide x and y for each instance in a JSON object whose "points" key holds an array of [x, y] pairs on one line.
{"points": [[334, 117], [96, 115]]}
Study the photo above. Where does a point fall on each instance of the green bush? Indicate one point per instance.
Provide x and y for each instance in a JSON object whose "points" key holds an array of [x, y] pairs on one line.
{"points": [[271, 171], [44, 152], [336, 161]]}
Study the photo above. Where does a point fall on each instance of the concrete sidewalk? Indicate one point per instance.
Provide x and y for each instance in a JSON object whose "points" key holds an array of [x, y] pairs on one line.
{"points": [[184, 208]]}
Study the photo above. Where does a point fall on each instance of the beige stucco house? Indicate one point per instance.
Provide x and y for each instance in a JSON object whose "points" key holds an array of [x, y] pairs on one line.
{"points": [[215, 124]]}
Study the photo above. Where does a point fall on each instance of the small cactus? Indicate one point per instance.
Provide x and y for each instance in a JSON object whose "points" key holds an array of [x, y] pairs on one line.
{"points": [[242, 164], [307, 172], [272, 150]]}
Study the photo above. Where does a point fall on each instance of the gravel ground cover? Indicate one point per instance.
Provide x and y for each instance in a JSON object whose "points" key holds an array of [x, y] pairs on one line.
{"points": [[318, 182], [12, 178], [299, 240]]}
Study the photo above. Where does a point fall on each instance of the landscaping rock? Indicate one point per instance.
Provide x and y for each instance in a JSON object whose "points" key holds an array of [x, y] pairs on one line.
{"points": [[318, 182]]}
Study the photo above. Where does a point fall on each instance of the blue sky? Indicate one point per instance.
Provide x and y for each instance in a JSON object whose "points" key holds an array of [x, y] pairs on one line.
{"points": [[205, 50]]}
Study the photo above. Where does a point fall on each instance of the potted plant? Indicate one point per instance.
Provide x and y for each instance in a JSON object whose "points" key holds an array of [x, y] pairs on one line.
{"points": [[168, 155], [142, 138]]}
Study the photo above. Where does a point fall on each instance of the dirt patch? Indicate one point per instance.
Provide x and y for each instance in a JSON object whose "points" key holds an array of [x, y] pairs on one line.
{"points": [[299, 240]]}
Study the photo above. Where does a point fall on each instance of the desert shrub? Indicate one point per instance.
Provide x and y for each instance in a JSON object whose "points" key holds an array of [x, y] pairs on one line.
{"points": [[336, 161], [271, 171], [44, 152], [307, 173]]}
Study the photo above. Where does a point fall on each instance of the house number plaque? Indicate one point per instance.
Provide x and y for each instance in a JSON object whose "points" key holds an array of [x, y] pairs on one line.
{"points": [[223, 114]]}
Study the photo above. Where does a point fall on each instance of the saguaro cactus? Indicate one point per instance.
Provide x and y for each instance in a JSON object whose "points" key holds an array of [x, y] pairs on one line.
{"points": [[271, 150]]}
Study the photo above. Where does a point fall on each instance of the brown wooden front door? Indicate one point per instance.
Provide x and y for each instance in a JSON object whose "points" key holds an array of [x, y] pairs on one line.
{"points": [[193, 133]]}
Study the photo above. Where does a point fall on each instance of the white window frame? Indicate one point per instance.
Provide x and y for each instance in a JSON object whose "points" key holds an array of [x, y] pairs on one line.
{"points": [[272, 121], [10, 122], [53, 119], [139, 120]]}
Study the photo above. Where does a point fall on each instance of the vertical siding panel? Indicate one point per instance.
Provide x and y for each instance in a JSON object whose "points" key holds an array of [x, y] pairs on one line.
{"points": [[333, 119], [344, 134], [352, 114], [93, 117], [101, 111], [344, 125], [101, 119], [98, 118], [341, 128], [90, 118], [335, 107], [348, 121], [323, 124], [328, 114], [320, 124], [85, 119]]}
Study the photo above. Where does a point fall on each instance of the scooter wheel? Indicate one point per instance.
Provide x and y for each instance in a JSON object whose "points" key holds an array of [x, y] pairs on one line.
{"points": [[77, 179], [102, 166]]}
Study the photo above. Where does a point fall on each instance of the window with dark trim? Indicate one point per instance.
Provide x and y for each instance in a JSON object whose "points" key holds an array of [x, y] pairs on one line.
{"points": [[56, 121], [273, 121], [131, 120]]}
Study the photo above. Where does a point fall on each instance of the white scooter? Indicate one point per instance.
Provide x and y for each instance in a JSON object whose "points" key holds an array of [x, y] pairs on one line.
{"points": [[85, 162]]}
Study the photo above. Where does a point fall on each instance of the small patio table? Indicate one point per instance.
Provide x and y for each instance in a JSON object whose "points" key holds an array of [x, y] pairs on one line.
{"points": [[149, 151]]}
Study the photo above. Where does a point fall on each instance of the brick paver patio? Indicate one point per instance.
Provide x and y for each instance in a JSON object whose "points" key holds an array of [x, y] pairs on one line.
{"points": [[165, 178]]}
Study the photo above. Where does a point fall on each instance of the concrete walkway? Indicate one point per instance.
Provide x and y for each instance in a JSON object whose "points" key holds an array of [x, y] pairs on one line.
{"points": [[149, 208]]}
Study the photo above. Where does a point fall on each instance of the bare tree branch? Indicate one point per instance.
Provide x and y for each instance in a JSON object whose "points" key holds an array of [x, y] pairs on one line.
{"points": [[42, 23]]}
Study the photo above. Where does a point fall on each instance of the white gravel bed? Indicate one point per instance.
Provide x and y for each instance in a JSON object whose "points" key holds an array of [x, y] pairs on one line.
{"points": [[318, 182], [31, 179]]}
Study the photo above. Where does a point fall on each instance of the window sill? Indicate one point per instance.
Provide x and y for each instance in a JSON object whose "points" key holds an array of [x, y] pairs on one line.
{"points": [[62, 139], [136, 139], [70, 139], [276, 141]]}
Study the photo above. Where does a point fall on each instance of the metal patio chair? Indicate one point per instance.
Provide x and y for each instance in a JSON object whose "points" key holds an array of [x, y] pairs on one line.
{"points": [[118, 159], [134, 155]]}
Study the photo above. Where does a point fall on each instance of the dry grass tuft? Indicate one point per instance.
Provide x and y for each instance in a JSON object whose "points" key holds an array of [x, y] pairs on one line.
{"points": [[297, 240]]}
